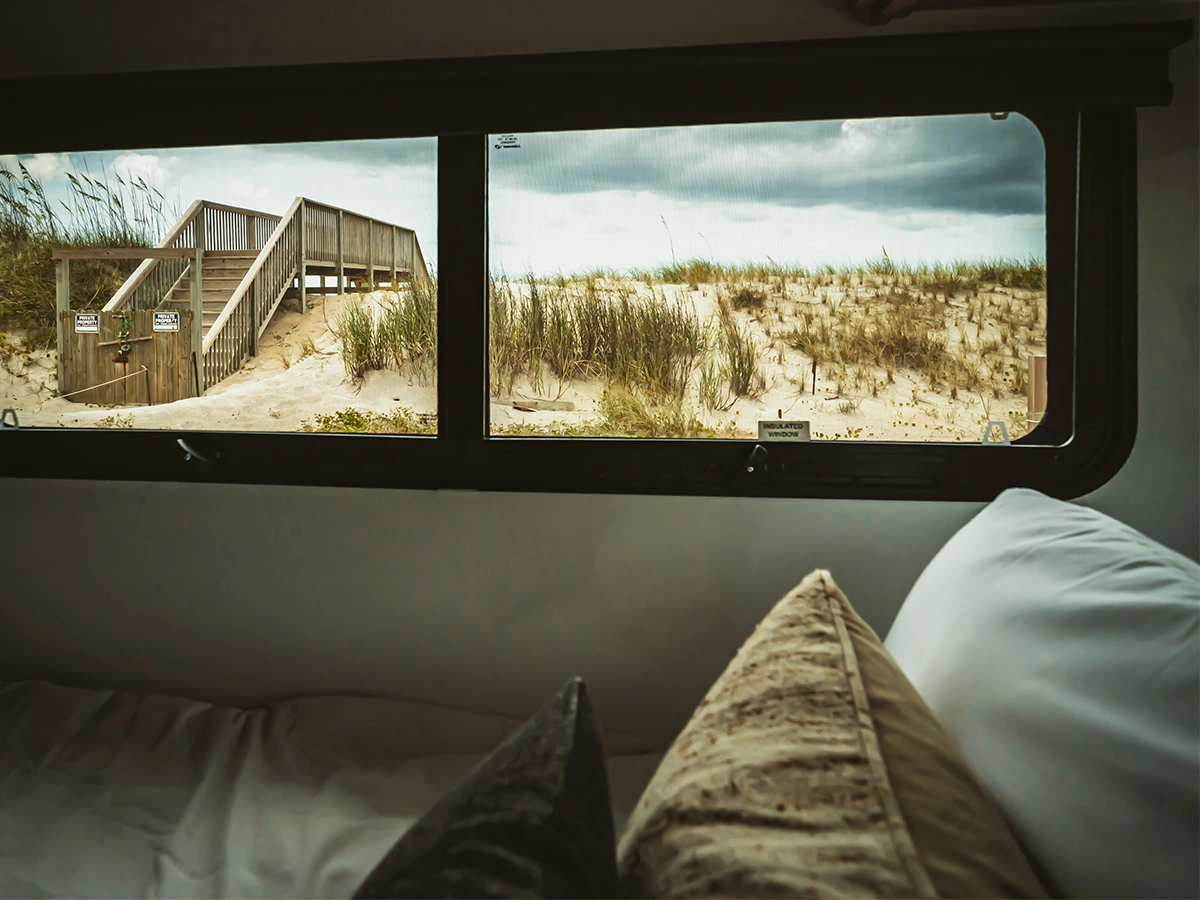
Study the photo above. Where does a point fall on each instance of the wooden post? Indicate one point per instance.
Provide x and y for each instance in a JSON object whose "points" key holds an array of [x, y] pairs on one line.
{"points": [[62, 284], [395, 241], [62, 304], [370, 254], [1036, 391], [341, 260], [303, 213], [197, 286], [251, 237], [252, 299]]}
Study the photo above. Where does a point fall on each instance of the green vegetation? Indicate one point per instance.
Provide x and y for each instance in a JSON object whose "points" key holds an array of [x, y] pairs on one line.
{"points": [[123, 212], [957, 327], [739, 352], [898, 327], [620, 413], [401, 334], [952, 327], [954, 277], [589, 329], [401, 420]]}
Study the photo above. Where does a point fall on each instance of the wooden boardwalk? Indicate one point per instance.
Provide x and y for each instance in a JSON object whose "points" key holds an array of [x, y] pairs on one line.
{"points": [[231, 268]]}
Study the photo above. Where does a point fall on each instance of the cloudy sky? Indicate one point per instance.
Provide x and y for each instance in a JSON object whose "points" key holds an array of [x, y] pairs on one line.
{"points": [[930, 189]]}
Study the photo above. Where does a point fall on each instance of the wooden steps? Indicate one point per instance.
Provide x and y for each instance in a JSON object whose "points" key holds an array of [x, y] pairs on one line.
{"points": [[223, 271], [359, 248]]}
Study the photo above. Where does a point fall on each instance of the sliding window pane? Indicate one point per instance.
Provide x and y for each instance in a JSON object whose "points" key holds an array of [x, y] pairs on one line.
{"points": [[285, 287], [878, 279]]}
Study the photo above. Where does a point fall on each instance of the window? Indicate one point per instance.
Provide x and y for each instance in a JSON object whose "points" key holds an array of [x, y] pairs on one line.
{"points": [[661, 245], [211, 289], [865, 279]]}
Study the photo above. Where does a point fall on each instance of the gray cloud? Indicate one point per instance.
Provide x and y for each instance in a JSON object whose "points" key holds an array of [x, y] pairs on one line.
{"points": [[941, 163], [960, 163], [374, 154]]}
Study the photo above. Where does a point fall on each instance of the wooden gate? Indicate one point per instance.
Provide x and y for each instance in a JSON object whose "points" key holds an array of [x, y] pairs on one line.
{"points": [[158, 367]]}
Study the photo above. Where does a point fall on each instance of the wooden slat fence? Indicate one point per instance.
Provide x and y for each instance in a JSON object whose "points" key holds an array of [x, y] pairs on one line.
{"points": [[354, 239], [420, 271], [383, 239], [231, 228], [89, 361], [320, 223]]}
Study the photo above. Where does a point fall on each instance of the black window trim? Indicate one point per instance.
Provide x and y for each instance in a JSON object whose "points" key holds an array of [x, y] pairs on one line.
{"points": [[1080, 86]]}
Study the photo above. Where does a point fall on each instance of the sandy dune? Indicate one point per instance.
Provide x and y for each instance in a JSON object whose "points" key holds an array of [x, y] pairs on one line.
{"points": [[281, 387], [904, 410], [265, 395]]}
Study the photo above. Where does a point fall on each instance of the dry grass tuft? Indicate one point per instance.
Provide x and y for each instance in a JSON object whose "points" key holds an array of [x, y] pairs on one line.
{"points": [[121, 211]]}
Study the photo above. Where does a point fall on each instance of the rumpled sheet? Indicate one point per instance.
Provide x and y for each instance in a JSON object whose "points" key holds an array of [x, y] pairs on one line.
{"points": [[123, 794]]}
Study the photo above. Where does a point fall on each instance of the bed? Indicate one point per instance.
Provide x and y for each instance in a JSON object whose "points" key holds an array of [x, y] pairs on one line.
{"points": [[1054, 650], [123, 794]]}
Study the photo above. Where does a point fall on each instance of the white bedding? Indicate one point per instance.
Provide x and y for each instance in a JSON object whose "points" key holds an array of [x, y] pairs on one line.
{"points": [[1059, 649], [121, 794]]}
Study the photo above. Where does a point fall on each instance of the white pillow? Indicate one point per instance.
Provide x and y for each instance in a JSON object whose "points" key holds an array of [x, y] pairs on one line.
{"points": [[1059, 648]]}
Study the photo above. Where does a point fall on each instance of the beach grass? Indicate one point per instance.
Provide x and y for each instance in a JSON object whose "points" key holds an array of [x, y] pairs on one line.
{"points": [[620, 413], [400, 332], [960, 326], [587, 330], [106, 210]]}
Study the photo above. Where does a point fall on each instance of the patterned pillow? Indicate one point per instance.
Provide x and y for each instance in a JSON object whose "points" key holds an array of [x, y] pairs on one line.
{"points": [[813, 769], [532, 820]]}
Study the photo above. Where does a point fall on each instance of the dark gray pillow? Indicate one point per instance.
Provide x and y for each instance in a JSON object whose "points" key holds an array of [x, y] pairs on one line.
{"points": [[534, 819]]}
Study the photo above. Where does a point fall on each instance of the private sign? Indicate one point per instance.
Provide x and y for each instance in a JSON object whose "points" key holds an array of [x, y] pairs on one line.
{"points": [[166, 321], [87, 323]]}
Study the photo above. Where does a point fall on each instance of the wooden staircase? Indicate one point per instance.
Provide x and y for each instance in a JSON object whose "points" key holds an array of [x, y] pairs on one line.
{"points": [[249, 261], [220, 276]]}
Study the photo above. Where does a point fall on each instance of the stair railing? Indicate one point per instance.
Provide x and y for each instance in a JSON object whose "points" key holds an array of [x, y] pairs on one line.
{"points": [[235, 333]]}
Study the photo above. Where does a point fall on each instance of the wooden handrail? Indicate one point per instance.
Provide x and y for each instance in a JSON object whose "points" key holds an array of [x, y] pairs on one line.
{"points": [[139, 274], [421, 270], [194, 217], [418, 256], [243, 287], [256, 213], [126, 253]]}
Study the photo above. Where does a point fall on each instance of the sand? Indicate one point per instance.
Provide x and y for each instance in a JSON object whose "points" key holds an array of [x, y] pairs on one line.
{"points": [[904, 410], [278, 389], [264, 395]]}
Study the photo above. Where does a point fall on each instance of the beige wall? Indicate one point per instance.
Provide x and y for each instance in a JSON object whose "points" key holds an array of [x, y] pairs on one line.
{"points": [[485, 601]]}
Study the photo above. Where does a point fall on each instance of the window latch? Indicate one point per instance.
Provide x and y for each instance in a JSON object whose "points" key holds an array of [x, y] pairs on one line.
{"points": [[8, 419], [190, 454], [755, 466]]}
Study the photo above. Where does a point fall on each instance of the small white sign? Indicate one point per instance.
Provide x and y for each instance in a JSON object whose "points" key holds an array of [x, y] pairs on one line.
{"points": [[87, 323], [782, 430], [166, 321]]}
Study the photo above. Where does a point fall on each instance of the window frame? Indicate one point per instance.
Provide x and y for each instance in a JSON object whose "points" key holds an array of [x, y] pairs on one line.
{"points": [[1080, 86]]}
